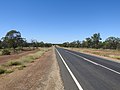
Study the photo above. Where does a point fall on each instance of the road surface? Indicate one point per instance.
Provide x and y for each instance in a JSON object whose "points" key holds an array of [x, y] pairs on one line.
{"points": [[85, 72]]}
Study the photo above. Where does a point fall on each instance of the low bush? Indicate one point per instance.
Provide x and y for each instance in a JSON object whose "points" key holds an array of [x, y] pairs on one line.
{"points": [[21, 67], [5, 52], [9, 71], [2, 71], [14, 63]]}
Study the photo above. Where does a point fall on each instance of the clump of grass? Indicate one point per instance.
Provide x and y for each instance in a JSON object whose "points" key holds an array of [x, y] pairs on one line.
{"points": [[0, 52], [116, 57], [2, 71], [27, 59], [30, 58], [21, 67], [14, 63], [8, 71]]}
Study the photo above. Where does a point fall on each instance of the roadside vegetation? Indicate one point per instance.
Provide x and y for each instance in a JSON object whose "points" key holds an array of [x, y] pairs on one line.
{"points": [[94, 45], [95, 41], [21, 63], [13, 42]]}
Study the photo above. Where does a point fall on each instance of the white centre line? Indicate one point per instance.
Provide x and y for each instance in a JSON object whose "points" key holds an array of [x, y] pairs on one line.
{"points": [[95, 63], [72, 75]]}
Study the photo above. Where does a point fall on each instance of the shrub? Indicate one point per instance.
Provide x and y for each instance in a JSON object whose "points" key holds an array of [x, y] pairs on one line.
{"points": [[21, 67], [5, 52], [2, 71], [15, 63], [9, 71]]}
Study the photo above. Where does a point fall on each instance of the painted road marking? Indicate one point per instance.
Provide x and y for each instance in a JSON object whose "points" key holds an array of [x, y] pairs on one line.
{"points": [[95, 63], [72, 75]]}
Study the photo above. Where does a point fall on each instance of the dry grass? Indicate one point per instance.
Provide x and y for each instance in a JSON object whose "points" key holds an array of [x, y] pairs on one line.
{"points": [[22, 62], [0, 52], [115, 54]]}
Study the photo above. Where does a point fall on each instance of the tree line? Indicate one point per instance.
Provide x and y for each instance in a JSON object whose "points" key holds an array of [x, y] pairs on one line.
{"points": [[95, 41], [13, 39]]}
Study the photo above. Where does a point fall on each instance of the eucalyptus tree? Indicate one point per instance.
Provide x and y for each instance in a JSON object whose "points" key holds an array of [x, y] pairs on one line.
{"points": [[96, 40], [0, 44], [13, 39], [89, 42], [112, 43]]}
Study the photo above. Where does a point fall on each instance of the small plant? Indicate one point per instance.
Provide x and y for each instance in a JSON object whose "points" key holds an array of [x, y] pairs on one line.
{"points": [[8, 71], [5, 52], [14, 63], [2, 71], [21, 67]]}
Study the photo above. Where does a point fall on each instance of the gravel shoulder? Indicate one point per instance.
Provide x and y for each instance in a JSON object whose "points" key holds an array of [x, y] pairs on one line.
{"points": [[43, 74]]}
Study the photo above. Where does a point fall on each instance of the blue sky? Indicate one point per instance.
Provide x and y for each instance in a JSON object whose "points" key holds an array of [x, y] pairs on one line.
{"points": [[57, 21]]}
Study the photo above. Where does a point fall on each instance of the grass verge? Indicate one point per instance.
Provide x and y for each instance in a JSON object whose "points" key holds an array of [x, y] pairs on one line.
{"points": [[22, 62]]}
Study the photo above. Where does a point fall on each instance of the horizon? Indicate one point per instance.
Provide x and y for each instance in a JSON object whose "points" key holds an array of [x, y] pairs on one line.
{"points": [[60, 21]]}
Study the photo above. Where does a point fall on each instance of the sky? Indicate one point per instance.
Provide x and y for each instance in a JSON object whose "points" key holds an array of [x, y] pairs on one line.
{"points": [[58, 21]]}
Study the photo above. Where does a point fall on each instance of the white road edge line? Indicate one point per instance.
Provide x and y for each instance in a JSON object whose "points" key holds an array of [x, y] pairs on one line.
{"points": [[72, 75], [95, 63]]}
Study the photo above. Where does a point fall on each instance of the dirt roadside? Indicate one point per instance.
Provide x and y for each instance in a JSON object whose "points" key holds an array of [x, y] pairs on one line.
{"points": [[6, 58], [43, 74]]}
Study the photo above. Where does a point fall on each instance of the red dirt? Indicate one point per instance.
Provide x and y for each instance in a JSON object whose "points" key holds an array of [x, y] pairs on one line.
{"points": [[43, 74], [6, 58]]}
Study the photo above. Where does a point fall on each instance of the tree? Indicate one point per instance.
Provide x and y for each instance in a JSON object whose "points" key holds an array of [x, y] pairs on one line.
{"points": [[112, 43], [96, 39], [12, 39], [65, 44], [89, 42], [47, 44], [41, 44], [0, 44], [95, 42], [35, 44], [78, 44], [84, 44], [73, 44]]}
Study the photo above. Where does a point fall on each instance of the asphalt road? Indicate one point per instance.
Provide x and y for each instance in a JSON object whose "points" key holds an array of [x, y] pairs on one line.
{"points": [[85, 72]]}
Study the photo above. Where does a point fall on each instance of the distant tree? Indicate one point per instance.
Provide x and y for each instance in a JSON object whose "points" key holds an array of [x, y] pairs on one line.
{"points": [[12, 39], [88, 42], [84, 44], [101, 45], [95, 42], [47, 44], [78, 44], [96, 39], [0, 44], [24, 43], [65, 44], [73, 44], [112, 43], [41, 44], [35, 44]]}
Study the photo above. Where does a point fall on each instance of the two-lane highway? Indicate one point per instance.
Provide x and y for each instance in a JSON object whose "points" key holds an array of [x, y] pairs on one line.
{"points": [[85, 72]]}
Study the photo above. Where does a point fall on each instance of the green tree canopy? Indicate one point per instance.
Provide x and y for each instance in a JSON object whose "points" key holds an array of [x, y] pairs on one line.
{"points": [[96, 40], [13, 39], [112, 43]]}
